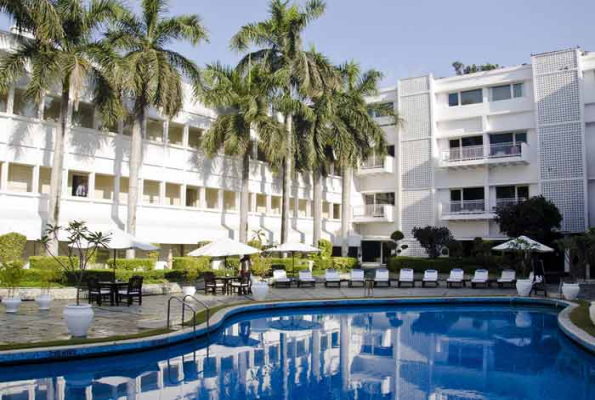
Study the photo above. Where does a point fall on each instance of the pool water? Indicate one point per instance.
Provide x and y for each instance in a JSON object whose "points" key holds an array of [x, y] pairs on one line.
{"points": [[414, 352]]}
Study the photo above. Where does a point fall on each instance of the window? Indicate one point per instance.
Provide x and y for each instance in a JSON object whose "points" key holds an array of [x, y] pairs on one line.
{"points": [[378, 110], [51, 108], [212, 198], [260, 154], [385, 198], [390, 150], [123, 193], [172, 194], [83, 115], [155, 130], [471, 97], [44, 180], [194, 137], [261, 203], [22, 106], [303, 208], [336, 211], [276, 205], [20, 178], [453, 99], [229, 200], [518, 90], [501, 93], [128, 123], [104, 187], [326, 209], [175, 134], [468, 200], [512, 192], [192, 197], [78, 184], [3, 102], [151, 191]]}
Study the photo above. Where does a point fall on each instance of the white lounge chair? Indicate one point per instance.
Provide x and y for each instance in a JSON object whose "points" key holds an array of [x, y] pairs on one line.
{"points": [[481, 277], [406, 276], [381, 277], [457, 276], [280, 278], [356, 277], [508, 277], [306, 278], [331, 277], [430, 277]]}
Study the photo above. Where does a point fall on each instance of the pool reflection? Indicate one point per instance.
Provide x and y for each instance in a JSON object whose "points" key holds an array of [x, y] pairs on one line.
{"points": [[424, 353]]}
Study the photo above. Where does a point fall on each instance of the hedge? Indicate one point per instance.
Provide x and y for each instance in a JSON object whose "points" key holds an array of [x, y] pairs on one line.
{"points": [[132, 264], [344, 263], [154, 276], [44, 262], [442, 265], [201, 263]]}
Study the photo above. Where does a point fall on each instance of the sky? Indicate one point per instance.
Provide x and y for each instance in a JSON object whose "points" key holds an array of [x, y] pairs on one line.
{"points": [[405, 38]]}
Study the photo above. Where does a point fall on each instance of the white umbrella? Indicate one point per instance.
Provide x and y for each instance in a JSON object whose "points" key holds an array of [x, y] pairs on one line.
{"points": [[224, 248], [293, 248], [523, 243]]}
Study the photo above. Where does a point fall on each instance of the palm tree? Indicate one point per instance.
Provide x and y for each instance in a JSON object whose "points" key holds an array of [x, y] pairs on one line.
{"points": [[245, 105], [296, 74], [57, 50], [152, 74]]}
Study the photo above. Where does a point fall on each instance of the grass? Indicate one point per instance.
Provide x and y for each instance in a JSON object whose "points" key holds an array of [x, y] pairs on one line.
{"points": [[580, 317]]}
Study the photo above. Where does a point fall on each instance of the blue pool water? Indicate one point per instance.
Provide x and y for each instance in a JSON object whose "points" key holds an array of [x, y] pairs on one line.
{"points": [[414, 352]]}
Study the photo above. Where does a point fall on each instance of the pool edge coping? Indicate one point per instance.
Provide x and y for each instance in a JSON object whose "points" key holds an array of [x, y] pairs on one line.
{"points": [[107, 348]]}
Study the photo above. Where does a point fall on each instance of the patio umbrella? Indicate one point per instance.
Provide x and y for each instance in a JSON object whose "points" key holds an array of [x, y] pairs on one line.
{"points": [[224, 248], [293, 248], [523, 243]]}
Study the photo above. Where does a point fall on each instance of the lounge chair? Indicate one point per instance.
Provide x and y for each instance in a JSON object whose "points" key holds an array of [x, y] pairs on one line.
{"points": [[406, 276], [331, 277], [280, 278], [356, 277], [456, 277], [508, 277], [381, 277], [306, 278], [481, 277], [430, 278]]}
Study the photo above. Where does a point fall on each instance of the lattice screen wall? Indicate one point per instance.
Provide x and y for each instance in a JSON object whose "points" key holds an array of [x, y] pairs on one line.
{"points": [[416, 209], [560, 128], [416, 165], [415, 111]]}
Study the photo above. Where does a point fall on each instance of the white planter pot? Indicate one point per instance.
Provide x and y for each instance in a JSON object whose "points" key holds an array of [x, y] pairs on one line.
{"points": [[592, 312], [188, 290], [78, 319], [260, 290], [523, 287], [570, 290], [43, 301], [11, 304]]}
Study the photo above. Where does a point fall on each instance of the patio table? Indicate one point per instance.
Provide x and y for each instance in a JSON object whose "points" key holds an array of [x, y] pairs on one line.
{"points": [[114, 287]]}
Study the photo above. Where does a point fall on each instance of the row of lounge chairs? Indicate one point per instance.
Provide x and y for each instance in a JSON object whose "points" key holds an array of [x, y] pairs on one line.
{"points": [[381, 277]]}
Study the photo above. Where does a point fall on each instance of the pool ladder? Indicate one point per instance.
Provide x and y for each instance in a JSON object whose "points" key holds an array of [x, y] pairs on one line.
{"points": [[192, 309]]}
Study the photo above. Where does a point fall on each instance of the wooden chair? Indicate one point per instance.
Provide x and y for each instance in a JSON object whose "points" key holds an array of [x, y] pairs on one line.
{"points": [[211, 284], [96, 292], [133, 291], [242, 284]]}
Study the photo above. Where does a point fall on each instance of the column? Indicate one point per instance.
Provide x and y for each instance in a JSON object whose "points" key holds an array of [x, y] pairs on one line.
{"points": [[91, 186], [202, 197], [35, 183], [4, 176]]}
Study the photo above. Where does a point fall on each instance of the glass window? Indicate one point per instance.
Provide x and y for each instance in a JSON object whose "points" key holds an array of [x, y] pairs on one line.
{"points": [[104, 187], [23, 106], [194, 136], [520, 137], [51, 108], [192, 197], [385, 198], [455, 195], [501, 92], [505, 192], [518, 89], [151, 192], [261, 203], [175, 134], [472, 141], [172, 194], [44, 180], [454, 143], [337, 211], [20, 178], [212, 198], [303, 208], [155, 130], [501, 138], [325, 210], [471, 97], [83, 115], [522, 192], [473, 193], [453, 99], [79, 184], [229, 200], [381, 109], [123, 193], [390, 150], [276, 205]]}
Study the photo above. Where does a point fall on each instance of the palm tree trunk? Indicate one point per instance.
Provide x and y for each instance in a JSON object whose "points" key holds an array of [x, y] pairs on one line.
{"points": [[317, 205], [286, 182], [58, 162], [245, 197], [135, 162], [345, 211]]}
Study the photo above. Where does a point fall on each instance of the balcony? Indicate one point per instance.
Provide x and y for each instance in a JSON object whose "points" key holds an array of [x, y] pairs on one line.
{"points": [[494, 154], [376, 165], [466, 210], [373, 213], [503, 202]]}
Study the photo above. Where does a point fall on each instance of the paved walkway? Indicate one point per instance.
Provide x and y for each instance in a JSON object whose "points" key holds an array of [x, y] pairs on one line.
{"points": [[32, 325]]}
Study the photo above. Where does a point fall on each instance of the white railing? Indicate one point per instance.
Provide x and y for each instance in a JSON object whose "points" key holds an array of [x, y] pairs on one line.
{"points": [[505, 150], [504, 202], [371, 210], [463, 153], [373, 161], [465, 207]]}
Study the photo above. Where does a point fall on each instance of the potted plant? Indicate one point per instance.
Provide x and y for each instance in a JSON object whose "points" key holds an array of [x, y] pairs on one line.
{"points": [[80, 245], [521, 250], [261, 266], [11, 275], [189, 287], [47, 276]]}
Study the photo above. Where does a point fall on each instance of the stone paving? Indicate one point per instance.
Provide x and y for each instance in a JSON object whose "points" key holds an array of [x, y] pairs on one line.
{"points": [[32, 325]]}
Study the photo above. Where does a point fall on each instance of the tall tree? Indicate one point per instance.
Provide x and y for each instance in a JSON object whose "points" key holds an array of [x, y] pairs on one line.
{"points": [[57, 50], [152, 74], [297, 73], [244, 104]]}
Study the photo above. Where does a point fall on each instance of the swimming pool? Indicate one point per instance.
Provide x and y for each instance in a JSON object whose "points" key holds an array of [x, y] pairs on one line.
{"points": [[395, 352]]}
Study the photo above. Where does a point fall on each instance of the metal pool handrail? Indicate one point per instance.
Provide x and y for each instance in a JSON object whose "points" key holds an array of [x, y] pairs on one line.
{"points": [[184, 305], [202, 304]]}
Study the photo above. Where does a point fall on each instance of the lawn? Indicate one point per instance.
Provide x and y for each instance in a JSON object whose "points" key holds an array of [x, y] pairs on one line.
{"points": [[580, 317]]}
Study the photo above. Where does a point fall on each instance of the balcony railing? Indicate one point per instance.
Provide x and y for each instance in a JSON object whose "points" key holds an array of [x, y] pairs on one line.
{"points": [[373, 161], [465, 207], [376, 164], [467, 153], [370, 210], [505, 150], [504, 202]]}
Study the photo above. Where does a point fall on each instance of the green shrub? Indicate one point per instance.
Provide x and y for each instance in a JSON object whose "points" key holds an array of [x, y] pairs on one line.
{"points": [[153, 276], [442, 265], [326, 248], [344, 263], [256, 243], [105, 275], [181, 263], [12, 246], [48, 262], [132, 264]]}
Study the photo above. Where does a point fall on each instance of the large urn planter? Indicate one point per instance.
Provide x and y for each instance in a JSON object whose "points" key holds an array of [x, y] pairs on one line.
{"points": [[78, 319], [570, 290], [188, 290], [43, 301], [11, 304], [260, 290], [592, 312], [523, 287]]}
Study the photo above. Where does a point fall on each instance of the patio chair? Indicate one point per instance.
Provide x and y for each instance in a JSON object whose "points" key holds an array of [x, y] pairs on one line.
{"points": [[430, 278], [406, 276], [133, 291], [481, 277], [211, 284], [456, 277], [381, 277], [508, 277], [306, 278], [356, 276], [331, 277], [280, 278], [242, 285], [96, 292]]}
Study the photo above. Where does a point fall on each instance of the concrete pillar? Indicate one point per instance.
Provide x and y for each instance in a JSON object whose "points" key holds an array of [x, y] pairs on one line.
{"points": [[91, 186], [35, 183], [344, 351]]}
